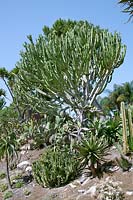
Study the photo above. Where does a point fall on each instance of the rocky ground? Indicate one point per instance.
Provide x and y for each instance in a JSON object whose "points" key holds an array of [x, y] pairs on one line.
{"points": [[84, 188]]}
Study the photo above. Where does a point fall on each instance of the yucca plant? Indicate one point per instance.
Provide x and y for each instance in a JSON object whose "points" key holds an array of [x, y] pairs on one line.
{"points": [[93, 152], [8, 146]]}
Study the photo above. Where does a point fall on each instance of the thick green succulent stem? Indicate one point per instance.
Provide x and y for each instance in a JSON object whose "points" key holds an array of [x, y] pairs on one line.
{"points": [[130, 123], [124, 129]]}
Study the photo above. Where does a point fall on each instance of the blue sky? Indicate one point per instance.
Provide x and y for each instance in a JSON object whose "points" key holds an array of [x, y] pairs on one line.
{"points": [[19, 18]]}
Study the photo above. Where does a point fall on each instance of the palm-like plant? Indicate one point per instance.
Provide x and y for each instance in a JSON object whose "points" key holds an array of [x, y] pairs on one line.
{"points": [[93, 151], [128, 91], [8, 144], [120, 93], [4, 75], [8, 79], [129, 7]]}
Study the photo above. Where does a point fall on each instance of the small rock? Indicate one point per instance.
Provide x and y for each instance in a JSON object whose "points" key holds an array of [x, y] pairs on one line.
{"points": [[113, 169], [81, 191], [23, 165], [22, 152], [86, 181], [113, 148], [28, 170], [77, 183], [131, 169], [72, 185], [14, 181], [25, 147], [129, 193], [82, 179], [91, 191]]}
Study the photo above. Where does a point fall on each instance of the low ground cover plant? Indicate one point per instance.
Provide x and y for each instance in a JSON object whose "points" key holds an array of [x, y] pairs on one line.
{"points": [[27, 192], [8, 195], [2, 175], [3, 187]]}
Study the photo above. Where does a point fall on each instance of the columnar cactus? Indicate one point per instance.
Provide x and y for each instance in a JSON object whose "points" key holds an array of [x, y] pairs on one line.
{"points": [[124, 125], [130, 123]]}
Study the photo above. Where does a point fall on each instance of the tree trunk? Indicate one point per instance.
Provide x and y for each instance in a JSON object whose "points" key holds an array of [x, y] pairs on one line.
{"points": [[93, 170], [7, 172]]}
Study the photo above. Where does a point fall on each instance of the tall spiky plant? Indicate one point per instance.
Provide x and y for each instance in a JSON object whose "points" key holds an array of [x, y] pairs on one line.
{"points": [[130, 122], [124, 128], [8, 145], [6, 77]]}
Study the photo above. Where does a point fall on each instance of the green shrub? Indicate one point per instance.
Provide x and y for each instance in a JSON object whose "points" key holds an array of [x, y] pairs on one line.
{"points": [[2, 175], [3, 187], [124, 163], [56, 168], [108, 128], [18, 184], [17, 176], [8, 195]]}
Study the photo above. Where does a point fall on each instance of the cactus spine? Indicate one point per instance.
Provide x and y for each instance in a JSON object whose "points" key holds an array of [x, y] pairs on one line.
{"points": [[124, 130]]}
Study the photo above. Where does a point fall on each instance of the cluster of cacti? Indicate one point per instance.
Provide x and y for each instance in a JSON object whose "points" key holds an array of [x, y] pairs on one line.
{"points": [[127, 128], [56, 167]]}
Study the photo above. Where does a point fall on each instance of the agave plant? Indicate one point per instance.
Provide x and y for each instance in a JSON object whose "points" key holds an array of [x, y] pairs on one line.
{"points": [[93, 152]]}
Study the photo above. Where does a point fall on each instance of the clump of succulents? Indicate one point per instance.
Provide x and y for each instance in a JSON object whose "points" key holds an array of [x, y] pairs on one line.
{"points": [[56, 167], [109, 190]]}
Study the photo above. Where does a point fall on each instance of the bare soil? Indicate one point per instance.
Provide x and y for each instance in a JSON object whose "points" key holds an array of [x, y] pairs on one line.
{"points": [[72, 191]]}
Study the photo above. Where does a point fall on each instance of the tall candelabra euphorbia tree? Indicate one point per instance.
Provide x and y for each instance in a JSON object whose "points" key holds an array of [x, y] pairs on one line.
{"points": [[70, 67]]}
